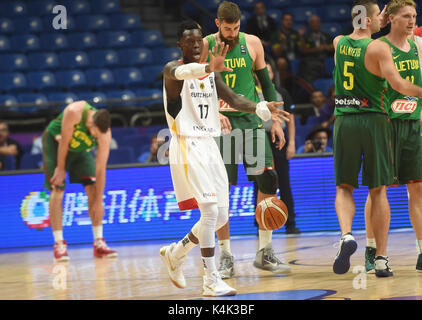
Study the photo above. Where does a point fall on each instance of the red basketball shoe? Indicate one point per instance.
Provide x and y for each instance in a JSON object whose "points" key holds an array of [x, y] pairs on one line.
{"points": [[60, 251], [101, 250]]}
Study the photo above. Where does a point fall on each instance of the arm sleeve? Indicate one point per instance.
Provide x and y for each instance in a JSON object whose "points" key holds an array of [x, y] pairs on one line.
{"points": [[190, 71], [267, 86]]}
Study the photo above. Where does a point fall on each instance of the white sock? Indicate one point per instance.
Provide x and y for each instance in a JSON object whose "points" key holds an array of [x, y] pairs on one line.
{"points": [[370, 242], [265, 237], [419, 246], [224, 245], [183, 247], [98, 232], [58, 235], [209, 265]]}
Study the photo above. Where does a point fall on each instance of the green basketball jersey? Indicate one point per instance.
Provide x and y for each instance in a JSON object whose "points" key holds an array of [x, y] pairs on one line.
{"points": [[241, 80], [356, 89], [81, 139], [407, 64]]}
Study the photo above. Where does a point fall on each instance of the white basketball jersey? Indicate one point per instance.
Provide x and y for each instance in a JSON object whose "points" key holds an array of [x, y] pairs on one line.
{"points": [[197, 116]]}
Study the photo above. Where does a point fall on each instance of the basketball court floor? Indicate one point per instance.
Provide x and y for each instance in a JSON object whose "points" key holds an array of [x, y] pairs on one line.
{"points": [[138, 273]]}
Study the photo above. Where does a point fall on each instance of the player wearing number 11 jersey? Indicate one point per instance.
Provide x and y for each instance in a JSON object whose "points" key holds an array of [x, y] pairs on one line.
{"points": [[361, 130]]}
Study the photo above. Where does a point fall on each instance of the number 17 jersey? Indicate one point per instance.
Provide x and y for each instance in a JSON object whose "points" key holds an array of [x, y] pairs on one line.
{"points": [[356, 89], [195, 114]]}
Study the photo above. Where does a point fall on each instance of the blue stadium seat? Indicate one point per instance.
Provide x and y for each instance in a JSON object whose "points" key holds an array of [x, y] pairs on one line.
{"points": [[94, 22], [13, 62], [275, 14], [43, 61], [212, 5], [77, 6], [25, 42], [164, 55], [121, 155], [41, 7], [148, 38], [323, 85], [54, 41], [335, 13], [6, 26], [74, 59], [135, 57], [294, 66], [129, 77], [120, 133], [332, 28], [154, 95], [125, 21], [153, 74], [96, 99], [329, 66], [245, 4], [30, 161], [28, 25], [71, 79], [35, 99], [65, 97], [100, 78], [4, 44], [106, 6], [125, 95], [82, 40], [69, 24], [12, 82], [279, 3], [114, 39], [309, 2], [15, 8], [104, 58], [135, 141], [302, 14], [6, 101], [42, 80]]}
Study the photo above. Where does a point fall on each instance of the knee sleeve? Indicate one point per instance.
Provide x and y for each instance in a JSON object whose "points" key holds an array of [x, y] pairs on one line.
{"points": [[223, 217], [206, 225], [267, 182]]}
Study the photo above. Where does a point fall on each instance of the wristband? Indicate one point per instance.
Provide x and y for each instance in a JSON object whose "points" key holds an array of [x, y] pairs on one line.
{"points": [[262, 111]]}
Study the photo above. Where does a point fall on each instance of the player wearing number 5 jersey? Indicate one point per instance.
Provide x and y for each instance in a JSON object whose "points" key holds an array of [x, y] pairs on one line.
{"points": [[198, 173], [404, 112], [361, 130]]}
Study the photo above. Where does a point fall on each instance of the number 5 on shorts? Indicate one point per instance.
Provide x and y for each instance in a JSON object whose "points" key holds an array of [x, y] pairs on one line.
{"points": [[348, 85]]}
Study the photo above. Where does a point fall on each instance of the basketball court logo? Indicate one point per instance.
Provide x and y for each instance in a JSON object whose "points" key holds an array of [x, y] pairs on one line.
{"points": [[34, 210]]}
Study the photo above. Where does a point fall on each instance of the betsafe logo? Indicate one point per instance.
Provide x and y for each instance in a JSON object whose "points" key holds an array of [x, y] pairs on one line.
{"points": [[34, 210]]}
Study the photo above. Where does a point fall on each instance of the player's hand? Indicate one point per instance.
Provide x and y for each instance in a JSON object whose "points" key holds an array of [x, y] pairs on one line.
{"points": [[277, 131], [276, 113], [58, 177], [217, 61], [384, 17], [290, 151], [226, 126]]}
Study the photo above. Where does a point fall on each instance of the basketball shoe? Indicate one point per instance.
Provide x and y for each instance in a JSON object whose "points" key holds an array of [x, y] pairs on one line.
{"points": [[60, 251], [382, 268], [214, 286], [173, 266], [369, 259], [101, 250], [226, 268], [419, 263], [347, 247], [266, 260]]}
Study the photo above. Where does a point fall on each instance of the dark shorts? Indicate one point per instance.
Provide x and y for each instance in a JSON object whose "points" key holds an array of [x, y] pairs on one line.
{"points": [[363, 140], [79, 165], [247, 143], [407, 150]]}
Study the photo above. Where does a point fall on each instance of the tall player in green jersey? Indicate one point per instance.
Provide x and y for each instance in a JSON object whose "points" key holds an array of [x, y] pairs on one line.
{"points": [[361, 129], [404, 112], [246, 57], [66, 144]]}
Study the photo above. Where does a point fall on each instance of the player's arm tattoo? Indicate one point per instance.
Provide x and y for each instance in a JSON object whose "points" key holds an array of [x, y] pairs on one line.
{"points": [[234, 100]]}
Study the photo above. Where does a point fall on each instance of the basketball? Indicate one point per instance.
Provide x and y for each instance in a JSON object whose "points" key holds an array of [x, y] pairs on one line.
{"points": [[271, 213]]}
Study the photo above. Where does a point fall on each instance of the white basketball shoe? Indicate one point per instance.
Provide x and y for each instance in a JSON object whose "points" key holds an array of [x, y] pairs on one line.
{"points": [[173, 266]]}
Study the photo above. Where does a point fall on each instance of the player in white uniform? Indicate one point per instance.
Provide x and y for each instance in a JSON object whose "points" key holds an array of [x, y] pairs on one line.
{"points": [[197, 169]]}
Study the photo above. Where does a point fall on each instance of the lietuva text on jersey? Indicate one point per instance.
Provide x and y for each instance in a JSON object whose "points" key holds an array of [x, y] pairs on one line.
{"points": [[235, 63], [406, 65]]}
